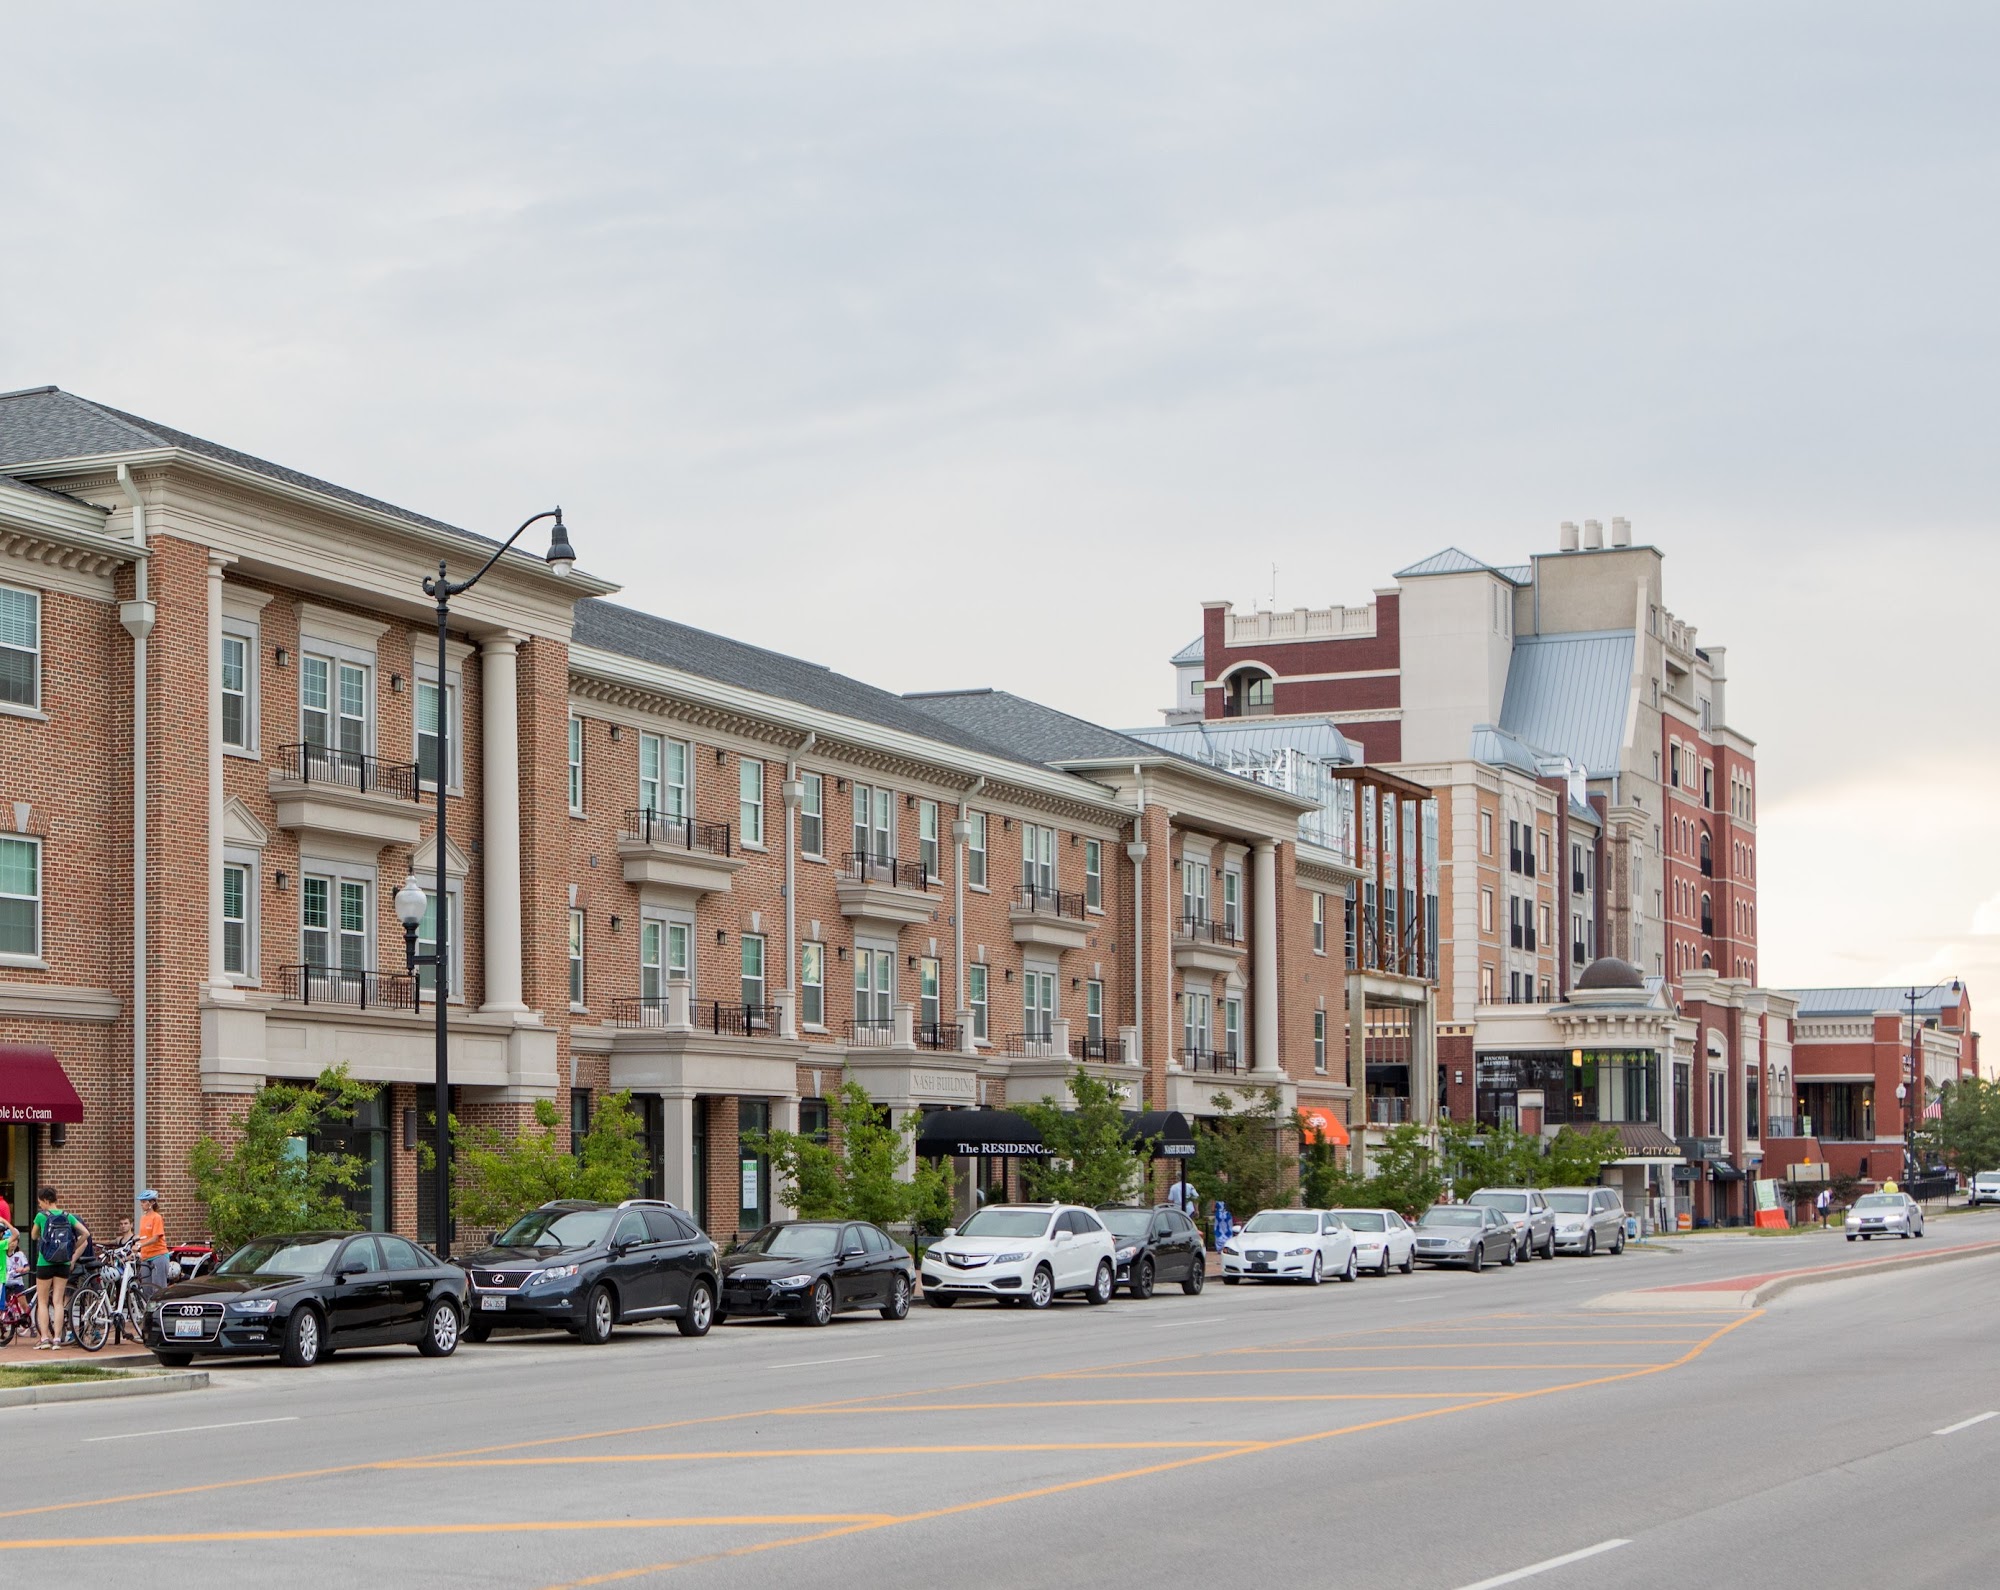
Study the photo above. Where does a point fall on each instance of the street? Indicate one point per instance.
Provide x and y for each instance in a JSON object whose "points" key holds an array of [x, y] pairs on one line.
{"points": [[1430, 1432]]}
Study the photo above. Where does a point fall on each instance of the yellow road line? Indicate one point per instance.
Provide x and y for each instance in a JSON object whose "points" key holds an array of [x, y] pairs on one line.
{"points": [[1335, 1369], [501, 1527], [817, 1452]]}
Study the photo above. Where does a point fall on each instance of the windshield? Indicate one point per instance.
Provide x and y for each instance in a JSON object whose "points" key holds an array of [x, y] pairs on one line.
{"points": [[1881, 1201], [1508, 1203], [795, 1242], [1127, 1222], [1458, 1215], [1570, 1203], [1006, 1223], [1362, 1220], [1302, 1221], [280, 1256], [558, 1228]]}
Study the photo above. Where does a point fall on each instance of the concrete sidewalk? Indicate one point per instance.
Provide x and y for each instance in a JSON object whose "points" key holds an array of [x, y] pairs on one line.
{"points": [[1754, 1290]]}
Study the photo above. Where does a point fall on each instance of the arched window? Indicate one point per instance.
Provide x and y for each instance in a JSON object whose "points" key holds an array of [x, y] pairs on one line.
{"points": [[1707, 961], [1707, 856], [1707, 918], [1252, 694]]}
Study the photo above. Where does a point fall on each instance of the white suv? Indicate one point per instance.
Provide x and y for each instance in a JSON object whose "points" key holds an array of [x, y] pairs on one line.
{"points": [[1023, 1253], [1985, 1188]]}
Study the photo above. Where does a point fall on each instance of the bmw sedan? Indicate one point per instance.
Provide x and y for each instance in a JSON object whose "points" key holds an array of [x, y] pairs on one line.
{"points": [[807, 1271], [1885, 1214], [303, 1295], [1289, 1245], [1465, 1234]]}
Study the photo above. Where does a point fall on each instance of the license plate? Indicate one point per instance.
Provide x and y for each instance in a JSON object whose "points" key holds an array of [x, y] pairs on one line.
{"points": [[187, 1327], [1260, 1267], [495, 1305]]}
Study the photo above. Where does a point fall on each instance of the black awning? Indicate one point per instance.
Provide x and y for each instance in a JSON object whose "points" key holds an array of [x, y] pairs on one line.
{"points": [[1167, 1131], [1722, 1170], [964, 1134]]}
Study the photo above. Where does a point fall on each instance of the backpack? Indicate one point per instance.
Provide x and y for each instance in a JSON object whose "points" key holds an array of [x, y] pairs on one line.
{"points": [[58, 1241]]}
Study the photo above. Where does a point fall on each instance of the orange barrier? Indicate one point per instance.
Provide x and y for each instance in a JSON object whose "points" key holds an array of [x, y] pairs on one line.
{"points": [[1773, 1220]]}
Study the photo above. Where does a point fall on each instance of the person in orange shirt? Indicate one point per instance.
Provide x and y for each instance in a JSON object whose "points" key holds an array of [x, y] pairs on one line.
{"points": [[152, 1239]]}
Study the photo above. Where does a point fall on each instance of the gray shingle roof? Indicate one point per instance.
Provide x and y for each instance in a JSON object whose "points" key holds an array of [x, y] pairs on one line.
{"points": [[41, 491], [1568, 694], [1931, 1001], [1454, 561], [1035, 731]]}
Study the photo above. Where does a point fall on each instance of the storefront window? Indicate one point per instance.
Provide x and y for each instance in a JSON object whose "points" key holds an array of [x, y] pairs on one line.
{"points": [[753, 1119], [366, 1138]]}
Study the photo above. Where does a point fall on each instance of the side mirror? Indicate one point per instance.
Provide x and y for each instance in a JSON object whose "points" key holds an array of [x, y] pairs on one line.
{"points": [[951, 1231], [347, 1273], [852, 1253]]}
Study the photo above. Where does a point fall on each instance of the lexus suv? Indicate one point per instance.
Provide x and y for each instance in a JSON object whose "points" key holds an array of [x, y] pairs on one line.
{"points": [[588, 1267]]}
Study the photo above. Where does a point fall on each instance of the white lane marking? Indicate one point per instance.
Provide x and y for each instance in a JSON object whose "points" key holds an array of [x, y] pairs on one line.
{"points": [[814, 1363], [1966, 1424], [186, 1429], [1534, 1568]]}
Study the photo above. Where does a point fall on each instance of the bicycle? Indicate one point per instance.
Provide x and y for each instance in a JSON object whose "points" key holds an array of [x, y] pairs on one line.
{"points": [[111, 1298]]}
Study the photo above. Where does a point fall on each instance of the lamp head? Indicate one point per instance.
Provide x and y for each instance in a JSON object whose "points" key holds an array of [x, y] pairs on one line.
{"points": [[562, 556], [411, 903]]}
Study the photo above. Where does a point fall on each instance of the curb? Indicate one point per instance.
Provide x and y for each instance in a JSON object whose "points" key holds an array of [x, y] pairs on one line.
{"points": [[92, 1390], [1756, 1291]]}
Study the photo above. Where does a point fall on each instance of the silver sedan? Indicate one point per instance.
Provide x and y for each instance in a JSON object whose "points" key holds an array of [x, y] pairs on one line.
{"points": [[1465, 1234], [1885, 1214]]}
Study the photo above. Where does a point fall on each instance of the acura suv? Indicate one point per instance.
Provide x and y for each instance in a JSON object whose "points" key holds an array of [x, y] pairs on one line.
{"points": [[588, 1267], [1023, 1253]]}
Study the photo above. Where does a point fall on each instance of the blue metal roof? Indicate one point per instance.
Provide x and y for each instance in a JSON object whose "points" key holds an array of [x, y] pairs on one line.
{"points": [[1317, 738], [1194, 651], [1568, 694], [1931, 1001], [1454, 561]]}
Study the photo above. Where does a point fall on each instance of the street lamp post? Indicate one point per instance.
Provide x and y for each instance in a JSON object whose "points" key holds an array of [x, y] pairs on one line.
{"points": [[410, 901], [1915, 1102]]}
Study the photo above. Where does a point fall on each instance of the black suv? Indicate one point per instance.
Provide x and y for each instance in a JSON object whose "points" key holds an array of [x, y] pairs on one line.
{"points": [[1155, 1245], [588, 1267]]}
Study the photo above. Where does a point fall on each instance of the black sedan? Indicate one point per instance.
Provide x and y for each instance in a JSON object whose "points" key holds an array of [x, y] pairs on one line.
{"points": [[810, 1270], [1155, 1245], [302, 1295]]}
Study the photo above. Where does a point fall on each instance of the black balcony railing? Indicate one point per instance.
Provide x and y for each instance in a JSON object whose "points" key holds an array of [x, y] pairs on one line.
{"points": [[1514, 935], [1788, 1126], [860, 867], [872, 1031], [1098, 1048], [355, 989], [657, 828], [743, 1020], [1202, 930], [1035, 1044], [947, 1037], [708, 1015], [1048, 902], [1202, 1059], [368, 775]]}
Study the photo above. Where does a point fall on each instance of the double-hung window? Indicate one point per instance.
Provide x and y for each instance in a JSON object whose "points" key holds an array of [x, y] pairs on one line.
{"points": [[1038, 1012], [812, 983], [874, 823], [1194, 1024], [975, 997], [333, 922], [975, 849], [927, 837], [455, 944], [1038, 858], [1232, 905], [576, 765], [753, 971], [750, 800], [1232, 1028], [1319, 924], [333, 699], [436, 708], [1194, 893], [812, 814], [1093, 1014], [236, 655], [236, 886], [874, 987], [652, 790], [928, 1001], [663, 957], [20, 647], [1319, 1042], [20, 897], [576, 958], [1093, 874]]}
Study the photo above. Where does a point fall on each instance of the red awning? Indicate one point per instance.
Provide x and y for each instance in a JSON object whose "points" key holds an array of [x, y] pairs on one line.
{"points": [[34, 1088]]}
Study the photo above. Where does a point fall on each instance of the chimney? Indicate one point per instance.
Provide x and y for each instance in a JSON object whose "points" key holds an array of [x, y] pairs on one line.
{"points": [[1593, 535], [1621, 532], [1569, 535]]}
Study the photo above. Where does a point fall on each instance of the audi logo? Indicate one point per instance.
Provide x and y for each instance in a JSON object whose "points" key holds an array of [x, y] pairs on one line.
{"points": [[187, 1309]]}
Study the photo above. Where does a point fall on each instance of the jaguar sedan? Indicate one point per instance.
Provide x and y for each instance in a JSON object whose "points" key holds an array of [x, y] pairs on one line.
{"points": [[809, 1270], [1289, 1245], [1382, 1239], [303, 1295], [1885, 1214], [1466, 1234]]}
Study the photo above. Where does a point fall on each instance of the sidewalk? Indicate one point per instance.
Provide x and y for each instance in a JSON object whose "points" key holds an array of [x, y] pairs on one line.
{"points": [[1754, 1290], [113, 1355]]}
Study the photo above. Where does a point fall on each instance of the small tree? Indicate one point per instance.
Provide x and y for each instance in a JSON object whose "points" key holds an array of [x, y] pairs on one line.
{"points": [[1503, 1156], [857, 1173], [1090, 1161], [273, 1181], [499, 1179], [1966, 1133], [1403, 1176], [1238, 1157], [1575, 1158]]}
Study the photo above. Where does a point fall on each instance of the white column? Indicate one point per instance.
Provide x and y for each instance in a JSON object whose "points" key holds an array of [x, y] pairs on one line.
{"points": [[784, 1118], [677, 1149], [1264, 957], [218, 977], [501, 771]]}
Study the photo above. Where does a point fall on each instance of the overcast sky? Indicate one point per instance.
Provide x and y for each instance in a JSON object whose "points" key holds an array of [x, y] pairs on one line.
{"points": [[957, 345]]}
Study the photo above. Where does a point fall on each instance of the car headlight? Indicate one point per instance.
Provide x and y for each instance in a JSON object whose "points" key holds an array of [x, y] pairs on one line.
{"points": [[1128, 1251], [1009, 1258], [793, 1280], [254, 1305], [555, 1272], [1231, 1248], [1295, 1253]]}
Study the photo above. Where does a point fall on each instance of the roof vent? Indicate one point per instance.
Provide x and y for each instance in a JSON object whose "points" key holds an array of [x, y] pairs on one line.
{"points": [[1569, 535], [1593, 534], [1621, 532]]}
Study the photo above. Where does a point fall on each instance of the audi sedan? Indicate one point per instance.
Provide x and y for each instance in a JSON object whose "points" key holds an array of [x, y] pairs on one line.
{"points": [[809, 1270], [1466, 1234], [1885, 1214]]}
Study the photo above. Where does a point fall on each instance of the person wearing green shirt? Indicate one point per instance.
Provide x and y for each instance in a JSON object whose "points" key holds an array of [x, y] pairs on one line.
{"points": [[57, 1238]]}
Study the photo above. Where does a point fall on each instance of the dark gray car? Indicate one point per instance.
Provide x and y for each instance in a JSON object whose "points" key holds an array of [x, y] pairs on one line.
{"points": [[1464, 1234]]}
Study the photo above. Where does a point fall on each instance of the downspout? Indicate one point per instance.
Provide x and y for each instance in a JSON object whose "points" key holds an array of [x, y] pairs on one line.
{"points": [[137, 617], [794, 798], [961, 830], [1137, 852]]}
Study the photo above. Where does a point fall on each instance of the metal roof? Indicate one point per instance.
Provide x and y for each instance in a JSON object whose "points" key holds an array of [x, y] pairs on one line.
{"points": [[1318, 738], [1931, 1001], [1194, 651], [1569, 694], [1454, 561]]}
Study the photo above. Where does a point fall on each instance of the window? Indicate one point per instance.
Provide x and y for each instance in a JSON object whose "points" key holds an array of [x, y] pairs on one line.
{"points": [[236, 896], [663, 776], [753, 970], [20, 897], [1708, 785], [1232, 905], [1485, 985], [975, 997], [874, 823], [236, 655], [663, 957], [576, 764], [1093, 874], [1038, 1004], [1232, 1027], [975, 849], [815, 1120], [928, 1002], [1319, 924], [20, 647], [427, 715], [1486, 833], [579, 1116], [333, 704], [812, 984], [427, 939], [1194, 1023], [1543, 841], [1486, 910], [1319, 1042], [1194, 891], [812, 814], [750, 800], [1548, 934], [576, 959], [333, 922], [1576, 939], [1093, 1014], [1038, 858], [874, 986], [1674, 764], [927, 837]]}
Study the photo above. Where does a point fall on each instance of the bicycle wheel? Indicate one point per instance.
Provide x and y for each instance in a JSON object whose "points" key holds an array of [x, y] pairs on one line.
{"points": [[133, 1325], [90, 1318]]}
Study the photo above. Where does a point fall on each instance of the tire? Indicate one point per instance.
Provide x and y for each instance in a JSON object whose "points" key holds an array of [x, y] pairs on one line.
{"points": [[819, 1306], [1479, 1257], [1314, 1278], [1513, 1259], [1383, 1267], [305, 1340], [90, 1319], [1618, 1247], [1410, 1264], [1349, 1273], [1105, 1283], [1042, 1290], [174, 1360], [1549, 1245], [477, 1330], [699, 1315], [1230, 1280], [1850, 1236], [442, 1329], [600, 1313], [1197, 1276], [898, 1306], [1590, 1244], [1141, 1285], [939, 1299]]}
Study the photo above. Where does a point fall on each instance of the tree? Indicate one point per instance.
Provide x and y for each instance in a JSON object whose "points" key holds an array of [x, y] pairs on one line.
{"points": [[500, 1179], [1575, 1158], [1503, 1156], [1238, 1156], [1966, 1132], [1404, 1175], [1090, 1161], [274, 1181], [857, 1173]]}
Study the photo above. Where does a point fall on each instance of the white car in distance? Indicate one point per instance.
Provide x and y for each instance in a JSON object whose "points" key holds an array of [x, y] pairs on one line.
{"points": [[1023, 1253], [1382, 1238], [1289, 1245]]}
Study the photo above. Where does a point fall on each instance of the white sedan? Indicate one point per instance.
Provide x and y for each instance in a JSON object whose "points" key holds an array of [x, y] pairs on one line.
{"points": [[1381, 1238], [1289, 1245]]}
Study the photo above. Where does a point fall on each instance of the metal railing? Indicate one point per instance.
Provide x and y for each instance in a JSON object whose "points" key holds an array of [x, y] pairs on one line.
{"points": [[1788, 1126], [860, 867], [947, 1037], [1205, 930], [1048, 902], [1102, 1047], [1199, 1059], [714, 1016], [1033, 1045], [355, 770], [1387, 1109], [742, 1020], [355, 989], [872, 1032], [657, 828]]}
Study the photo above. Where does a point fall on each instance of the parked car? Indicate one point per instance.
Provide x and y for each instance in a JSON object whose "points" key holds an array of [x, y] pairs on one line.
{"points": [[1381, 1238], [1155, 1245], [303, 1295], [1587, 1218], [1985, 1188], [1528, 1212], [1289, 1245], [588, 1267], [1467, 1234], [1885, 1214], [1023, 1253], [810, 1270]]}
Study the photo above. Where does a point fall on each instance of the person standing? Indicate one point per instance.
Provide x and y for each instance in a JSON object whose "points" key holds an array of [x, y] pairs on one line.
{"points": [[57, 1236], [152, 1240], [1823, 1203]]}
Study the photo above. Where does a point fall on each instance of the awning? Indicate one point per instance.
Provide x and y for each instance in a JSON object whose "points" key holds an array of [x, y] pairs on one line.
{"points": [[35, 1088], [1323, 1125], [1722, 1170], [1639, 1140], [1167, 1131], [963, 1134]]}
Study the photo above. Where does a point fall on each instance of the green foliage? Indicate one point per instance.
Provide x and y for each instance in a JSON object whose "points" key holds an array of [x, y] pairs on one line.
{"points": [[855, 1175], [499, 1179], [1966, 1134], [272, 1181], [1239, 1154], [1090, 1159], [1502, 1156], [1404, 1175]]}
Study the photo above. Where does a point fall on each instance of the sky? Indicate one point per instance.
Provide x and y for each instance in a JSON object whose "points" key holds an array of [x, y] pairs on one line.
{"points": [[958, 344]]}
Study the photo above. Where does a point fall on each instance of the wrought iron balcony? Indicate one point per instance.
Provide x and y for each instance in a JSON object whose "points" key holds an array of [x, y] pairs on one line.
{"points": [[1204, 930], [353, 770], [645, 826], [1048, 902], [711, 1016], [946, 1037], [1039, 1044], [858, 866], [351, 988], [1201, 1059], [1102, 1047]]}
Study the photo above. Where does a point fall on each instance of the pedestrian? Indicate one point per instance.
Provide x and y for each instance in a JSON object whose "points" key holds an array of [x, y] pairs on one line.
{"points": [[1823, 1203], [1181, 1196], [55, 1236]]}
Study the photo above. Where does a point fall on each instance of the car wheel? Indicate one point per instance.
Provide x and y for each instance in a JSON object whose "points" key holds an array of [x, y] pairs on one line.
{"points": [[695, 1319], [304, 1338], [477, 1330], [600, 1313], [1383, 1267], [819, 1306], [939, 1299], [1618, 1246], [441, 1328], [1549, 1244], [1197, 1276], [1850, 1236], [1349, 1272], [1410, 1263], [1104, 1285], [1479, 1257], [1042, 1290], [898, 1306], [1511, 1260], [175, 1360], [1142, 1279], [1314, 1278]]}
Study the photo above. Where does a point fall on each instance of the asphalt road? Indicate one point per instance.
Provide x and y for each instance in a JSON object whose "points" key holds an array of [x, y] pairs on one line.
{"points": [[1432, 1432]]}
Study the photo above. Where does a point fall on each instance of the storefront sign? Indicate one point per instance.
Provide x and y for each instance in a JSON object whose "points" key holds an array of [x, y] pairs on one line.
{"points": [[750, 1184], [956, 1084], [26, 1114]]}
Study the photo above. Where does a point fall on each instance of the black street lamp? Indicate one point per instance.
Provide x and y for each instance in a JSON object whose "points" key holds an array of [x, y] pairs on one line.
{"points": [[410, 901]]}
